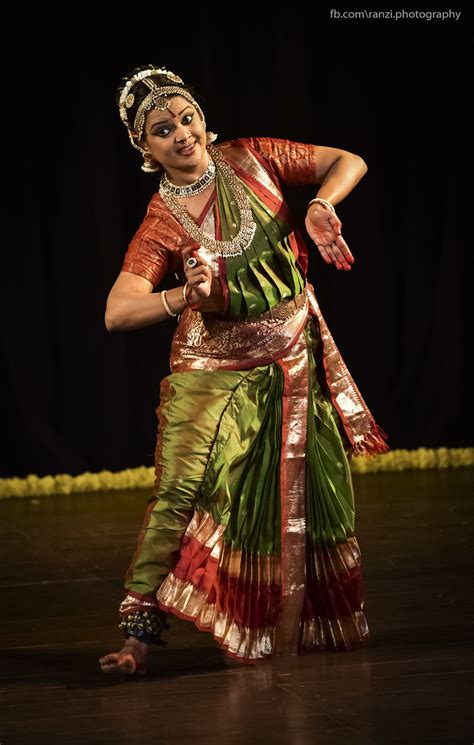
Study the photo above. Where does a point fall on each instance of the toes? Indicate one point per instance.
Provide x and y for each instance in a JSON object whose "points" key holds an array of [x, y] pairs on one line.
{"points": [[119, 663], [109, 659]]}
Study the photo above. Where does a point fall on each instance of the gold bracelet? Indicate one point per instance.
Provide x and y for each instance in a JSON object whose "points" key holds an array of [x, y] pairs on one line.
{"points": [[185, 298], [318, 200], [166, 304]]}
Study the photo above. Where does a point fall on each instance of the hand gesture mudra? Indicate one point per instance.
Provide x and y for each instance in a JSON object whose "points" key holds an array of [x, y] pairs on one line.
{"points": [[324, 228], [199, 277]]}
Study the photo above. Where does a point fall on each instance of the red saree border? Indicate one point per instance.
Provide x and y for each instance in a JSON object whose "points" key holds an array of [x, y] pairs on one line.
{"points": [[190, 592], [333, 580], [342, 634], [207, 590], [251, 168], [256, 643]]}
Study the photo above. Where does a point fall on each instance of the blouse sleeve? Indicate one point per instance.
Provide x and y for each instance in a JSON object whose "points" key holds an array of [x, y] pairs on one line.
{"points": [[146, 255], [294, 163]]}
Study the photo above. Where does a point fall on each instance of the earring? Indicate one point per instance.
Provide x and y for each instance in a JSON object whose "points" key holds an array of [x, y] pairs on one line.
{"points": [[211, 137], [150, 165]]}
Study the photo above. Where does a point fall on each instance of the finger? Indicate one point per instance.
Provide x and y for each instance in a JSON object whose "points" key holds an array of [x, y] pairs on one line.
{"points": [[200, 264], [336, 224], [326, 246], [340, 256], [342, 245], [198, 279], [197, 265], [333, 257], [196, 271], [324, 253], [338, 263], [188, 251]]}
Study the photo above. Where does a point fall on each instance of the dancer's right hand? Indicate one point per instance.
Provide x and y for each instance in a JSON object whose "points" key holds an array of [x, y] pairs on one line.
{"points": [[199, 277]]}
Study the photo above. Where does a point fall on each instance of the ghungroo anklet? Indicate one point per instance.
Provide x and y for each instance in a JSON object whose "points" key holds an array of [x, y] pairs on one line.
{"points": [[146, 626]]}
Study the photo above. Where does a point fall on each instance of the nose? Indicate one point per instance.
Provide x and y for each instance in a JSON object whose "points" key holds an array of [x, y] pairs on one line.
{"points": [[182, 133]]}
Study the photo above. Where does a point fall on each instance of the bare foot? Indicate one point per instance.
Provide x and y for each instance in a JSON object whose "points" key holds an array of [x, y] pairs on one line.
{"points": [[131, 658]]}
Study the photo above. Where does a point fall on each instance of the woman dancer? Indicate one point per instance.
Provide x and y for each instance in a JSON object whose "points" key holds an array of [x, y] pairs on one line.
{"points": [[249, 532]]}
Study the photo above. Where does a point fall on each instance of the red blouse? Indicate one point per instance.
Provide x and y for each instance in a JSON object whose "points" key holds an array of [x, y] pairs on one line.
{"points": [[156, 246]]}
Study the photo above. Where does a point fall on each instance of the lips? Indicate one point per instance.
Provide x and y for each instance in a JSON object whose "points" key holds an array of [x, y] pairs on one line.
{"points": [[188, 150]]}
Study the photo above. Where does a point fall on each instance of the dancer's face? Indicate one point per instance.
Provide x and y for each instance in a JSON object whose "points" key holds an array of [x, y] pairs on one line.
{"points": [[177, 139]]}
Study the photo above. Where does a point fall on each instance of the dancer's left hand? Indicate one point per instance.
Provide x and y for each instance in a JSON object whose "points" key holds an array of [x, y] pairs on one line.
{"points": [[324, 228]]}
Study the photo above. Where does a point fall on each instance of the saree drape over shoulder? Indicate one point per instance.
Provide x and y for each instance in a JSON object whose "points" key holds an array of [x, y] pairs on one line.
{"points": [[250, 529]]}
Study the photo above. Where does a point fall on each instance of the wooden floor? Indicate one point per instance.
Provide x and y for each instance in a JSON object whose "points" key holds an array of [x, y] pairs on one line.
{"points": [[63, 560]]}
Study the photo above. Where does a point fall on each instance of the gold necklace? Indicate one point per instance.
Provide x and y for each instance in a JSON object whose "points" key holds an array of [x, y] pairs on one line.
{"points": [[247, 227]]}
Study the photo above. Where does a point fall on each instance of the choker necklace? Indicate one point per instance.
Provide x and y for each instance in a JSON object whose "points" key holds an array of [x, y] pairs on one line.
{"points": [[166, 187], [247, 227]]}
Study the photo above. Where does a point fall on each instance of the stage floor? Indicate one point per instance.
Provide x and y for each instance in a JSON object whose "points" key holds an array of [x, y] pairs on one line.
{"points": [[63, 561]]}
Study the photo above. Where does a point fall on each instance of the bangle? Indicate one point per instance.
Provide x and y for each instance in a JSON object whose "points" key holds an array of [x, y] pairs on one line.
{"points": [[166, 304], [318, 200], [185, 298]]}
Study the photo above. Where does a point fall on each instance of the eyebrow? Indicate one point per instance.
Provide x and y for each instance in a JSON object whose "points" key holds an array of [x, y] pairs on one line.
{"points": [[165, 121]]}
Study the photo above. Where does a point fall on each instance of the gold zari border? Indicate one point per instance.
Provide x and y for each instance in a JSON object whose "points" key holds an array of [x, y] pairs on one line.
{"points": [[207, 341], [338, 633], [184, 600]]}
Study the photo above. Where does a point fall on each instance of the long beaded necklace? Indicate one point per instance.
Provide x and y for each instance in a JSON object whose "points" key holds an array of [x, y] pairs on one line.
{"points": [[166, 187], [247, 227]]}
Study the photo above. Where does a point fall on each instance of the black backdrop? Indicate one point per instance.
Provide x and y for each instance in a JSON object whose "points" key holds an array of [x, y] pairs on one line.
{"points": [[79, 398]]}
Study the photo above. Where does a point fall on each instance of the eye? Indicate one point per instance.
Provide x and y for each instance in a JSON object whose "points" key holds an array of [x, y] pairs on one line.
{"points": [[188, 117], [164, 132]]}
